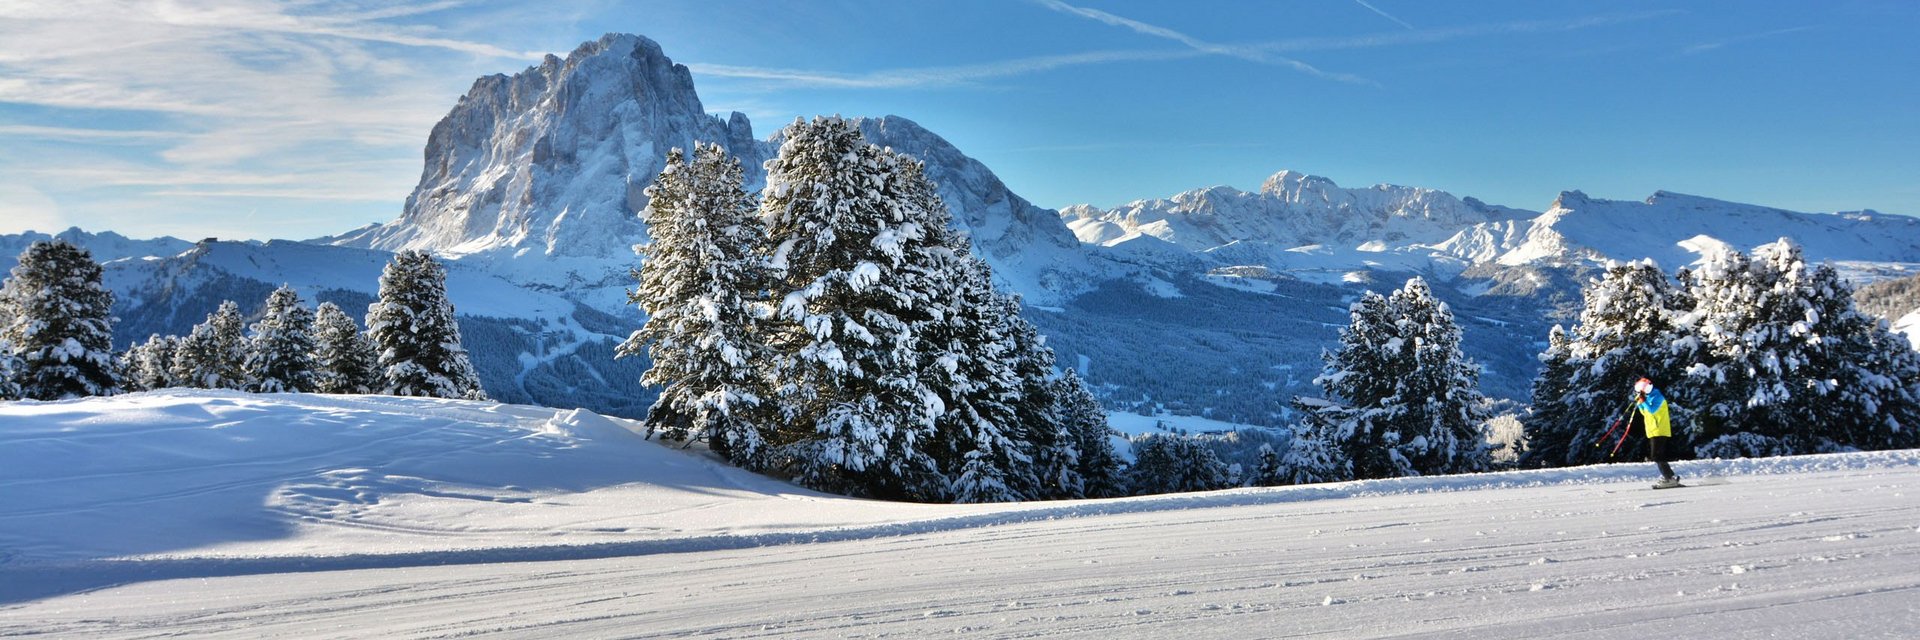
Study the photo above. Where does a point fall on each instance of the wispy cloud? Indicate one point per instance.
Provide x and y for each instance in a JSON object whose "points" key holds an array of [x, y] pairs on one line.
{"points": [[1244, 52], [1383, 14], [226, 98], [1709, 46], [87, 135], [1434, 36], [933, 76], [1260, 52], [244, 16]]}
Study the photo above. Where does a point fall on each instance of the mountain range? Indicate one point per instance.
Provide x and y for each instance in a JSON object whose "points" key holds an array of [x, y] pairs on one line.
{"points": [[1210, 302]]}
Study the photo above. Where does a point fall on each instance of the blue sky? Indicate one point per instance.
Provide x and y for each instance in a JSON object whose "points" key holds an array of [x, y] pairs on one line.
{"points": [[250, 119]]}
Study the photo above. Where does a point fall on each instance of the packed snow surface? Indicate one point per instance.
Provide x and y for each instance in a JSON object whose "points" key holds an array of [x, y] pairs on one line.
{"points": [[218, 514]]}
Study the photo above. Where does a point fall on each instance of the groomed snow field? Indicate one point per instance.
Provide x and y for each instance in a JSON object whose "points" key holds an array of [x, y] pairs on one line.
{"points": [[230, 515]]}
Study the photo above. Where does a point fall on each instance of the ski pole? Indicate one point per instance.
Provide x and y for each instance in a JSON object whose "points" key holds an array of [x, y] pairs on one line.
{"points": [[1614, 425], [1623, 432]]}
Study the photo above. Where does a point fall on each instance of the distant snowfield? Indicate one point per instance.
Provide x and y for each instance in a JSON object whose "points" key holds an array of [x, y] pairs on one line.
{"points": [[217, 514]]}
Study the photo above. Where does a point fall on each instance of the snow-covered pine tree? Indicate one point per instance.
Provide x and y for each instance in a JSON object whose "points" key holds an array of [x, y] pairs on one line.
{"points": [[1334, 442], [1628, 329], [280, 352], [413, 326], [1549, 436], [699, 285], [1726, 295], [972, 357], [1269, 472], [1441, 413], [970, 362], [214, 354], [149, 365], [1046, 419], [845, 371], [1784, 350], [344, 359], [1101, 473], [58, 317], [1166, 463], [1413, 400], [9, 369], [1872, 380], [1327, 441]]}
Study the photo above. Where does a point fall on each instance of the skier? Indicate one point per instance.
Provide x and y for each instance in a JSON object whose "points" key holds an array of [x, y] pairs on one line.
{"points": [[1658, 422]]}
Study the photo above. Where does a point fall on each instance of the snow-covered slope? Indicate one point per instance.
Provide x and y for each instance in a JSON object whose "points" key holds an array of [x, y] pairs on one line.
{"points": [[217, 514]]}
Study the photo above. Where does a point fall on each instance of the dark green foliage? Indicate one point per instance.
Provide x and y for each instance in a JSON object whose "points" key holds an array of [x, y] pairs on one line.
{"points": [[1164, 463]]}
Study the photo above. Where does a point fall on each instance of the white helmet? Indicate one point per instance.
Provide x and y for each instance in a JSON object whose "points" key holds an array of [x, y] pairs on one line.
{"points": [[1643, 386]]}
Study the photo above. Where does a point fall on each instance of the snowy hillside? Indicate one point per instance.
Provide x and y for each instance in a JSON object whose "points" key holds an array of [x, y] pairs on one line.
{"points": [[217, 514]]}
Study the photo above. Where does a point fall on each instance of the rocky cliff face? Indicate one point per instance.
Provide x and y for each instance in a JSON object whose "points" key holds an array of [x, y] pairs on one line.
{"points": [[540, 175], [553, 160]]}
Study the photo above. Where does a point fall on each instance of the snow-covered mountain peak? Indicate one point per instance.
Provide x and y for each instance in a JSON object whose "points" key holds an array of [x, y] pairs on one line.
{"points": [[553, 160], [1295, 186], [540, 176], [1570, 200]]}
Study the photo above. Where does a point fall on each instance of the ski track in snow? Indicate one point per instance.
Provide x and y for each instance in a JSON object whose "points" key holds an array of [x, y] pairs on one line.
{"points": [[421, 518]]}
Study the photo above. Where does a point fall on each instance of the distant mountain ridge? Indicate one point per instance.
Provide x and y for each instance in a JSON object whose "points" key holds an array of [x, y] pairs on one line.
{"points": [[1310, 227]]}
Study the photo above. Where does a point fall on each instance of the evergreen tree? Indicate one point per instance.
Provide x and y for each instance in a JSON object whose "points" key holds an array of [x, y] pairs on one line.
{"points": [[1414, 404], [1790, 366], [1872, 384], [280, 353], [414, 328], [1628, 329], [1099, 466], [842, 241], [1165, 463], [970, 359], [9, 370], [698, 287], [149, 365], [1330, 442], [970, 368], [343, 357], [1726, 294], [1270, 472], [214, 355], [1549, 436], [57, 317]]}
